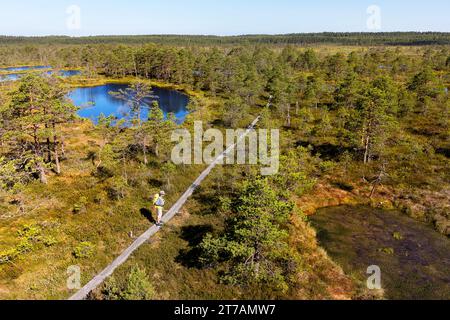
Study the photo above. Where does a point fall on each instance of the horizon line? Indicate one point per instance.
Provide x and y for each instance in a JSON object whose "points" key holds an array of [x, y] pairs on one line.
{"points": [[222, 36]]}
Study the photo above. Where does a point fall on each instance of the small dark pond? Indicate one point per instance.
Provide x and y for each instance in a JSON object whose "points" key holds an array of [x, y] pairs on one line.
{"points": [[414, 259]]}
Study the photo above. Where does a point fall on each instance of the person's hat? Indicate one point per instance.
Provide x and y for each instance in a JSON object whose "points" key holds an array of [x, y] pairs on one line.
{"points": [[162, 193]]}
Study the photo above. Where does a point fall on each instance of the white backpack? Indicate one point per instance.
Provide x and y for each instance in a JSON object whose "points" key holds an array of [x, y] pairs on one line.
{"points": [[160, 202]]}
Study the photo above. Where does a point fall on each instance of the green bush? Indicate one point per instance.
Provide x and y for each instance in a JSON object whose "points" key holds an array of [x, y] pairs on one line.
{"points": [[397, 236], [24, 246], [138, 286], [84, 250], [98, 199], [388, 251], [327, 166], [111, 290], [7, 255], [117, 188], [49, 241], [28, 235], [30, 232], [225, 204], [80, 206]]}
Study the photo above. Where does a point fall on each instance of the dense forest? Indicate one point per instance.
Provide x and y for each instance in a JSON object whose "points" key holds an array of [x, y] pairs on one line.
{"points": [[361, 125], [351, 39]]}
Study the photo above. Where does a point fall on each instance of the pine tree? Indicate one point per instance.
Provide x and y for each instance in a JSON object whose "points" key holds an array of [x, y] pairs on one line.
{"points": [[38, 108], [137, 96], [158, 128], [377, 109], [254, 248], [61, 112]]}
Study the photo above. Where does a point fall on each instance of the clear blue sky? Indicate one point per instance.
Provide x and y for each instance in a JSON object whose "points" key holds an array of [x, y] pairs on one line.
{"points": [[220, 17]]}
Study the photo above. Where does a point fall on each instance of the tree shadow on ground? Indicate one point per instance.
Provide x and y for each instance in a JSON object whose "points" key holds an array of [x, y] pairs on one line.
{"points": [[327, 151], [155, 183], [209, 201], [218, 123], [146, 213], [193, 235]]}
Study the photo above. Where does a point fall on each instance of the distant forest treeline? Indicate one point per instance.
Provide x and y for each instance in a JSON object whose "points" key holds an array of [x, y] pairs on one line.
{"points": [[361, 38]]}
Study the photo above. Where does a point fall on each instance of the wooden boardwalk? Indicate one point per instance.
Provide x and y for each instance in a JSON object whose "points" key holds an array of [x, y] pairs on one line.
{"points": [[109, 270]]}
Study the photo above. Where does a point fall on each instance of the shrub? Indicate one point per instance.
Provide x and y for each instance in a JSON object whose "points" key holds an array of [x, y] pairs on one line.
{"points": [[30, 232], [327, 166], [98, 199], [28, 235], [117, 188], [11, 179], [7, 255], [83, 250], [397, 236], [138, 286], [80, 206], [49, 241], [210, 251], [24, 246], [111, 290], [225, 204], [389, 251]]}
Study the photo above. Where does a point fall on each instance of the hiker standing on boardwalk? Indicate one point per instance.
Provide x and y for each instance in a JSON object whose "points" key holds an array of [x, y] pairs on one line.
{"points": [[159, 202]]}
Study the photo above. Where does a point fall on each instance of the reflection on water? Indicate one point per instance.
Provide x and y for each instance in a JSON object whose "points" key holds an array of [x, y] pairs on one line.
{"points": [[10, 77], [65, 73], [17, 76], [95, 101], [24, 68]]}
